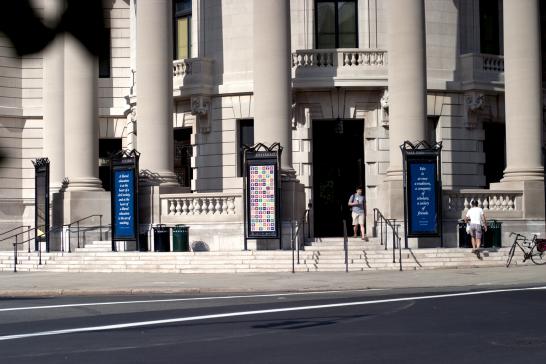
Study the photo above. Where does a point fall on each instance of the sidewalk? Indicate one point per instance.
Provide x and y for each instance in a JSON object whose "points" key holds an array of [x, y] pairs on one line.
{"points": [[34, 284]]}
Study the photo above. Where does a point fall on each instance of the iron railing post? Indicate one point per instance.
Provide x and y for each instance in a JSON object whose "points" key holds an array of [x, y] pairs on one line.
{"points": [[15, 255], [78, 234], [393, 242], [399, 249], [100, 227], [345, 246]]}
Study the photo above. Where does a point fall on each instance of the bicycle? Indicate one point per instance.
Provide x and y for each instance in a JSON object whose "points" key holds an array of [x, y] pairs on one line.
{"points": [[534, 249]]}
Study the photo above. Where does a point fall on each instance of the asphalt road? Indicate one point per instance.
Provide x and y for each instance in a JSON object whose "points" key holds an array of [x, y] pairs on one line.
{"points": [[370, 326]]}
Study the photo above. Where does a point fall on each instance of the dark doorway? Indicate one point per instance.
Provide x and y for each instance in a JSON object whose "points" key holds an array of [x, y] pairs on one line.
{"points": [[182, 156], [107, 147], [495, 152], [338, 168]]}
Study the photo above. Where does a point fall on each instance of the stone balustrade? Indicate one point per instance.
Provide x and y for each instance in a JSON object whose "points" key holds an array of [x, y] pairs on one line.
{"points": [[343, 67], [193, 76], [481, 68], [201, 207], [497, 204]]}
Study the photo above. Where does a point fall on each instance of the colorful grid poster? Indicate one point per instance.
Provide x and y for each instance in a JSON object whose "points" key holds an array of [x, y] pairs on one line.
{"points": [[261, 184]]}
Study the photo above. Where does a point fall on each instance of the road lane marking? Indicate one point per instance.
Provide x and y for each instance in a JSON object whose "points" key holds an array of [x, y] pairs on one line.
{"points": [[257, 312], [184, 299]]}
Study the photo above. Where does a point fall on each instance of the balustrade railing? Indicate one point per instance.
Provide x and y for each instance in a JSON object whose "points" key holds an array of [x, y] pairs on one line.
{"points": [[482, 68], [196, 72], [339, 58], [492, 63], [201, 207], [494, 203]]}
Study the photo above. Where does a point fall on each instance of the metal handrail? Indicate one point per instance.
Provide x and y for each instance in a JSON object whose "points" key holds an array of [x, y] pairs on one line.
{"points": [[15, 228], [53, 229], [77, 222], [305, 215], [19, 233], [391, 223]]}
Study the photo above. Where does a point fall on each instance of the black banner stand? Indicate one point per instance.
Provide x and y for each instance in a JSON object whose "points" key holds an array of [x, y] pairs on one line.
{"points": [[260, 157], [124, 197], [41, 202], [422, 155]]}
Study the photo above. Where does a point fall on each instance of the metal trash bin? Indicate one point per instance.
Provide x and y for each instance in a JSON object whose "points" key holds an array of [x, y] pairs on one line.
{"points": [[464, 238], [180, 238], [162, 238], [492, 237], [143, 242]]}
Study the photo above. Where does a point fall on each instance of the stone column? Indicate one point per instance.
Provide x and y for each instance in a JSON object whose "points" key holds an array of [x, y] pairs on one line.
{"points": [[272, 76], [407, 89], [53, 99], [523, 91], [81, 113], [154, 74], [523, 100], [273, 102]]}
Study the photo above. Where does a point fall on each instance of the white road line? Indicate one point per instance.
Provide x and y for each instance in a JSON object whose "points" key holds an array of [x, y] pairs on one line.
{"points": [[248, 313], [182, 299]]}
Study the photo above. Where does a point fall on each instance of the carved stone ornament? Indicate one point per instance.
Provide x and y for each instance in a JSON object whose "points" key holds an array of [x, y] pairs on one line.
{"points": [[384, 101], [200, 106], [474, 103]]}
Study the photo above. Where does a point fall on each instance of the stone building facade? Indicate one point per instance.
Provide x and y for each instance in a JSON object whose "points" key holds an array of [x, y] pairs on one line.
{"points": [[340, 84]]}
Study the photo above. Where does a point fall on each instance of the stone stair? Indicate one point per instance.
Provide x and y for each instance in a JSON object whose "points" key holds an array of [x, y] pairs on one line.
{"points": [[324, 255]]}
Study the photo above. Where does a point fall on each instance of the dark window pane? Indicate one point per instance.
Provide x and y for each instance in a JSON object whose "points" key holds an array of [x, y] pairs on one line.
{"points": [[105, 54], [107, 147], [182, 156], [347, 40], [336, 24], [326, 25], [347, 17], [489, 27], [326, 41], [182, 6], [246, 137]]}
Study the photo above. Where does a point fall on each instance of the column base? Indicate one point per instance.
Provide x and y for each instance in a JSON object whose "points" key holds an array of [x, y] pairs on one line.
{"points": [[523, 174], [533, 195], [158, 178], [84, 184]]}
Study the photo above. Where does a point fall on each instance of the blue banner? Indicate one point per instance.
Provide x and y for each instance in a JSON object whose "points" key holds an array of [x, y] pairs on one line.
{"points": [[124, 203], [423, 209]]}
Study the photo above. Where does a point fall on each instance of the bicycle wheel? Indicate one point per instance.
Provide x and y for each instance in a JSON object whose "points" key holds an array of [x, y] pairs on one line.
{"points": [[538, 257], [510, 255]]}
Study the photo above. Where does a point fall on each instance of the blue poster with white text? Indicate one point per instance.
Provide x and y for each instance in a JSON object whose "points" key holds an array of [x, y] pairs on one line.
{"points": [[124, 202], [423, 214]]}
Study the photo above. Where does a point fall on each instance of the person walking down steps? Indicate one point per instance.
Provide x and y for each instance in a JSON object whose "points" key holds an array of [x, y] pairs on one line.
{"points": [[357, 204]]}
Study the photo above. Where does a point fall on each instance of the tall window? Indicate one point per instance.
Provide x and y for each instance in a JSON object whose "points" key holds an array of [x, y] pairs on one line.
{"points": [[491, 26], [246, 137], [336, 24], [105, 53], [107, 148], [182, 29], [182, 156]]}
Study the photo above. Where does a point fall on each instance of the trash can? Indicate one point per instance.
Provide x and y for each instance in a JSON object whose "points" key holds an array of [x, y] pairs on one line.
{"points": [[464, 238], [180, 238], [162, 238], [143, 242], [492, 237]]}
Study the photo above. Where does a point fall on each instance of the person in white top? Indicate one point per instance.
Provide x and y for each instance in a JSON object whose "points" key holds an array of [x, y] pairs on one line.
{"points": [[476, 218]]}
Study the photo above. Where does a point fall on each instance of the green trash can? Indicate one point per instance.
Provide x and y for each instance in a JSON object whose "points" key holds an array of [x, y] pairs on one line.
{"points": [[180, 238], [493, 237]]}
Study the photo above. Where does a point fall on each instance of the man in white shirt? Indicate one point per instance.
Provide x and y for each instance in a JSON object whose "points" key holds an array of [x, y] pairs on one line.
{"points": [[476, 218]]}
